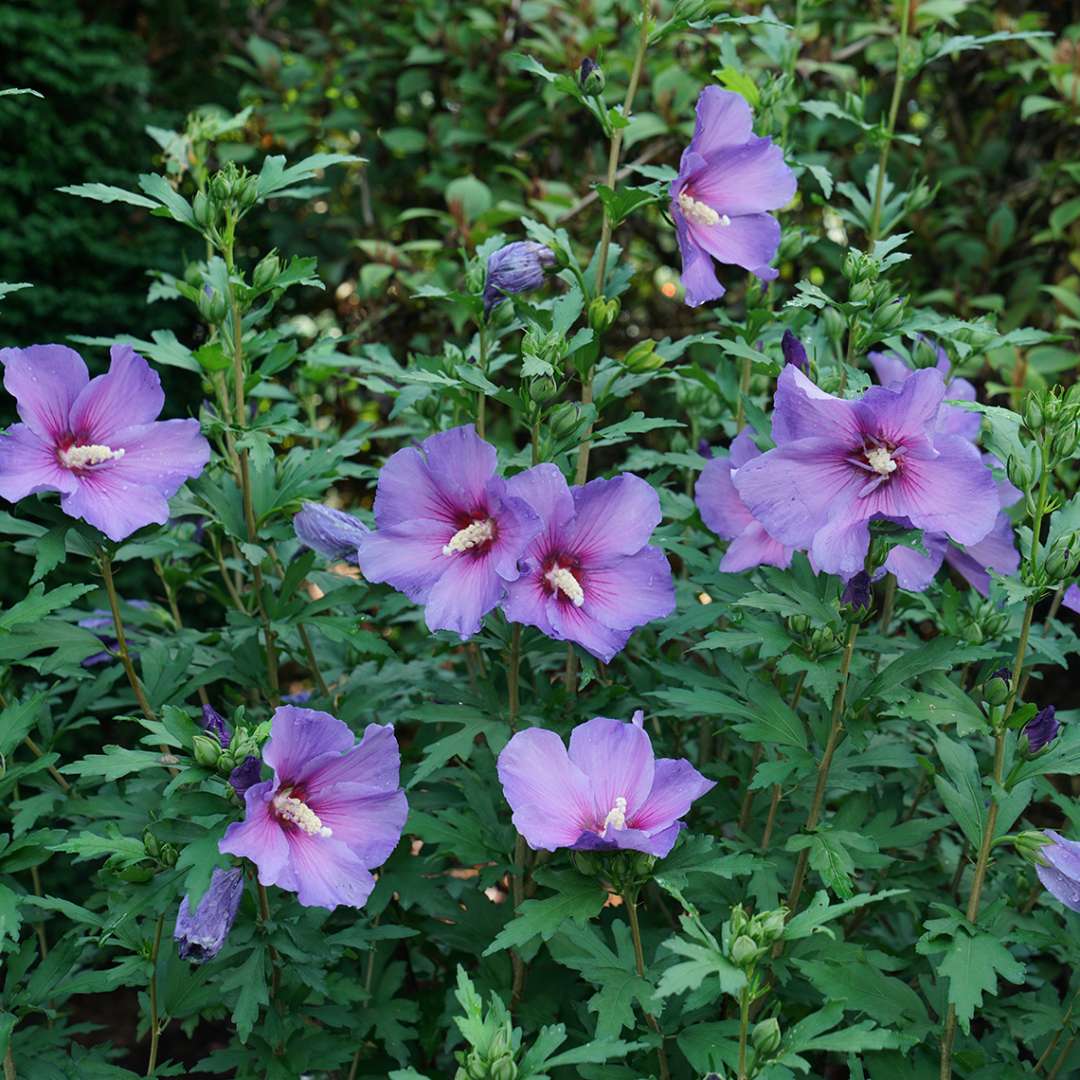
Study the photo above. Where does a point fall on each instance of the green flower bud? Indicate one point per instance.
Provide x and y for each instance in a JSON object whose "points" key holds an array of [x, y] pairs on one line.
{"points": [[882, 293], [565, 419], [543, 389], [642, 358], [852, 264], [266, 270], [168, 855], [150, 844], [765, 1037], [247, 194], [227, 762], [744, 950], [475, 276], [211, 305], [1028, 845], [476, 1066], [1033, 413], [739, 921], [588, 863], [503, 1069], [1065, 442], [835, 326], [206, 750], [861, 292], [771, 925], [591, 78], [889, 317], [996, 690], [204, 211], [798, 624], [603, 313]]}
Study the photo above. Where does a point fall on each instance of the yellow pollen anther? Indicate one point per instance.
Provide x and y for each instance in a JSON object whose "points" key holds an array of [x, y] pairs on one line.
{"points": [[699, 213], [82, 457], [479, 532], [299, 814], [616, 818], [561, 580], [880, 460]]}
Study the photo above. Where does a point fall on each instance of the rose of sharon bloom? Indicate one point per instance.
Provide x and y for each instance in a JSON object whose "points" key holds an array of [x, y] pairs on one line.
{"points": [[515, 268], [449, 532], [728, 179], [96, 441], [608, 792], [331, 533], [726, 514], [200, 935], [1061, 874], [1071, 598], [590, 575], [332, 811], [838, 464]]}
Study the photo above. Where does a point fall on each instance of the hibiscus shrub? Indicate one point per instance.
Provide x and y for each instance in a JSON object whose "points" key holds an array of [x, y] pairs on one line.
{"points": [[629, 670]]}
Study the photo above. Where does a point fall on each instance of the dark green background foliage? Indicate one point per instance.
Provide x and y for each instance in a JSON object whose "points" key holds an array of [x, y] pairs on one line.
{"points": [[366, 340]]}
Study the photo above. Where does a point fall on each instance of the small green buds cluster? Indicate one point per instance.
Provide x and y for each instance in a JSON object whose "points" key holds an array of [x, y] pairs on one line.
{"points": [[1063, 558], [1029, 844], [1052, 417], [622, 872], [540, 350], [748, 938], [603, 313], [565, 419], [492, 1058]]}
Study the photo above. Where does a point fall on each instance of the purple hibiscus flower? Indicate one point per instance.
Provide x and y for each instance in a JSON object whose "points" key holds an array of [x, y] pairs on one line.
{"points": [[590, 575], [199, 935], [728, 180], [727, 515], [515, 268], [331, 813], [838, 464], [891, 371], [449, 532], [607, 793], [1071, 598], [1061, 874], [96, 441], [331, 533]]}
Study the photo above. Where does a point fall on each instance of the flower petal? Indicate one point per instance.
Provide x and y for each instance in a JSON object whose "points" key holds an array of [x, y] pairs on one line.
{"points": [[108, 501], [721, 508], [297, 736], [914, 571], [569, 623], [754, 547], [746, 179], [698, 272], [724, 120], [128, 394], [461, 464], [45, 380], [617, 757], [407, 492], [370, 767], [658, 844], [161, 455], [549, 795], [676, 784], [259, 837], [327, 872], [613, 517], [466, 591], [910, 409], [544, 488], [840, 547], [409, 556], [889, 368], [370, 825], [802, 410], [516, 525], [750, 241], [526, 602], [632, 591], [28, 465], [743, 448], [995, 551]]}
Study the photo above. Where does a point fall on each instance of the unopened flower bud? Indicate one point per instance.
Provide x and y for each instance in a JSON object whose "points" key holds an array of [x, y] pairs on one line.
{"points": [[603, 313], [565, 419], [206, 750], [798, 624], [214, 723], [503, 1069], [739, 920], [857, 592], [168, 855], [835, 326], [247, 194], [861, 292], [543, 389], [203, 210], [1041, 730], [591, 77], [852, 264], [333, 534], [515, 268], [890, 316], [744, 950], [200, 935], [643, 358], [772, 925], [266, 270], [765, 1036], [150, 844], [996, 689], [1033, 413], [794, 352]]}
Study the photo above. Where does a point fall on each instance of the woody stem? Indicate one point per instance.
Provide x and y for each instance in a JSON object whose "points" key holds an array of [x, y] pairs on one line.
{"points": [[105, 563]]}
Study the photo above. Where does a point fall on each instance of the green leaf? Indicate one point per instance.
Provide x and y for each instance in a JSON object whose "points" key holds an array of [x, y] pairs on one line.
{"points": [[962, 792], [972, 965], [250, 980], [819, 911], [106, 193], [115, 762], [576, 898], [10, 919], [50, 551], [622, 202], [38, 603], [274, 177], [864, 988], [16, 722]]}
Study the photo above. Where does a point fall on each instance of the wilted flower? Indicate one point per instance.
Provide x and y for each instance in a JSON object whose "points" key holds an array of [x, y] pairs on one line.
{"points": [[607, 793], [449, 531], [1061, 874], [200, 936], [794, 352], [727, 515], [332, 811], [590, 575], [1042, 729], [727, 181], [214, 722], [515, 268], [334, 534], [838, 464], [96, 441]]}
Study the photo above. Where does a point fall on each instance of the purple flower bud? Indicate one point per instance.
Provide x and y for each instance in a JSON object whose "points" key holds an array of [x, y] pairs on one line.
{"points": [[1042, 729], [301, 697], [1003, 673], [704, 449], [857, 591], [515, 268], [199, 937], [214, 722], [246, 774], [795, 352], [332, 533]]}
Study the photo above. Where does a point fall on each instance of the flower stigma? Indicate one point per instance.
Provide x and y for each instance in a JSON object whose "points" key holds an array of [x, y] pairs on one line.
{"points": [[562, 580], [298, 813], [473, 535], [699, 213], [616, 818], [82, 457], [880, 460]]}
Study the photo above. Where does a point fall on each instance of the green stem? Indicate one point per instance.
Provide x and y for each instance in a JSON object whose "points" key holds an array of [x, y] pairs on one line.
{"points": [[264, 918], [759, 749], [517, 878], [745, 370], [744, 1027], [614, 150], [9, 1065], [1062, 1057], [481, 397], [38, 752], [313, 662], [888, 603], [894, 110], [155, 1027], [630, 903], [121, 639], [835, 729]]}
